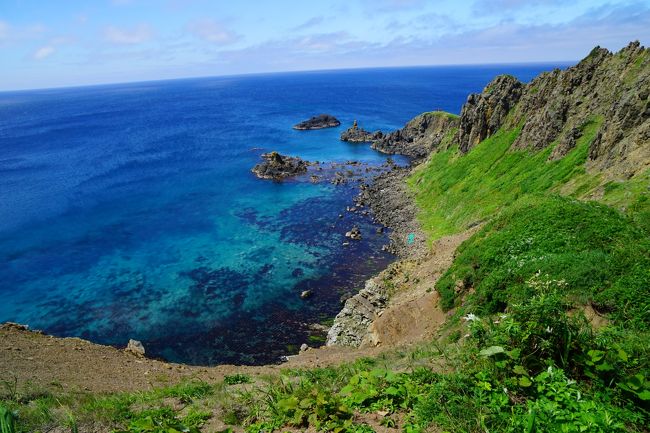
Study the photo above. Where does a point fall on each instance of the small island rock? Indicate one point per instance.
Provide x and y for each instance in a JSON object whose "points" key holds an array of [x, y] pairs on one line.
{"points": [[318, 122], [276, 166], [360, 135]]}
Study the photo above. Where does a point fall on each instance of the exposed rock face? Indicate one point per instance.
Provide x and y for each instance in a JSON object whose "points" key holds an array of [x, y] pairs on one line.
{"points": [[318, 122], [351, 324], [483, 113], [420, 136], [612, 89], [276, 166], [360, 135], [604, 89]]}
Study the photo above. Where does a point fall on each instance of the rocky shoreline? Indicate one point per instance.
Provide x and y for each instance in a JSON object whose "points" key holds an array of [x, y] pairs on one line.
{"points": [[392, 206]]}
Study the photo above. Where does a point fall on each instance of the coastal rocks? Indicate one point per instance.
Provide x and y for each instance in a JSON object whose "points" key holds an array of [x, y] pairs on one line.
{"points": [[393, 206], [12, 326], [354, 234], [318, 122], [136, 348], [420, 136], [352, 323], [484, 113], [277, 167], [360, 135]]}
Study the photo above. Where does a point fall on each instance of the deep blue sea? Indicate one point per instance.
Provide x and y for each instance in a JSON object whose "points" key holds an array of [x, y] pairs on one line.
{"points": [[129, 211]]}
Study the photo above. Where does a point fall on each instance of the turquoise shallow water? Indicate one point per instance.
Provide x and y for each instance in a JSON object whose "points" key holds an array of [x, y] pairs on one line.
{"points": [[129, 211]]}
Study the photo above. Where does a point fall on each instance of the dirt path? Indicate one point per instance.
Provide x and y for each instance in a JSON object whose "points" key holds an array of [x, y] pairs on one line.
{"points": [[414, 314]]}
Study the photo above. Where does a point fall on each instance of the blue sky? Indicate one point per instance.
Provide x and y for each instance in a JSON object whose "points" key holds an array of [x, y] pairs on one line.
{"points": [[50, 43]]}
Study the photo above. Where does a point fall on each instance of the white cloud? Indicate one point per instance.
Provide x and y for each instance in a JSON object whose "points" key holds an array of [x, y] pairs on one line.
{"points": [[50, 48], [43, 52], [137, 35], [212, 31]]}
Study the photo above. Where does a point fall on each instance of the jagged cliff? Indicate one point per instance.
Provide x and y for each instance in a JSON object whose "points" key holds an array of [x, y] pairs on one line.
{"points": [[554, 107]]}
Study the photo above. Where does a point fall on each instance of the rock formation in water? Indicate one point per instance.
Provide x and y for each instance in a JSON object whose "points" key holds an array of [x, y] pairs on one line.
{"points": [[276, 166], [318, 122], [355, 134]]}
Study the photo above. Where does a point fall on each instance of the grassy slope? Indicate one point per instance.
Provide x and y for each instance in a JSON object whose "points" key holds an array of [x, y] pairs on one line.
{"points": [[599, 254], [454, 191]]}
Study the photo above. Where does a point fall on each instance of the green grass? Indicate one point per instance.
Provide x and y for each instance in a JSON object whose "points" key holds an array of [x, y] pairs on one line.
{"points": [[454, 191], [598, 253]]}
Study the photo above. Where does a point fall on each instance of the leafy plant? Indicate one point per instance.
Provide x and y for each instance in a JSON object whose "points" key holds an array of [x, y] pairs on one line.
{"points": [[238, 378], [7, 424]]}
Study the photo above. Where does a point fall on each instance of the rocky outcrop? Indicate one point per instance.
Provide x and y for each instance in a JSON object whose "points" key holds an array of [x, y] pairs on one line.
{"points": [[608, 90], [277, 167], [352, 323], [420, 136], [135, 347], [318, 122], [484, 113], [355, 134]]}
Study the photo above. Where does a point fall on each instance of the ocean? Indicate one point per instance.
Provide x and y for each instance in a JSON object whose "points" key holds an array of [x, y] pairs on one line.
{"points": [[130, 211]]}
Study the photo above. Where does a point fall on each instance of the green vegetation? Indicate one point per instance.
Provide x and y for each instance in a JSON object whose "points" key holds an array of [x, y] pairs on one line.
{"points": [[455, 191], [236, 379], [600, 256]]}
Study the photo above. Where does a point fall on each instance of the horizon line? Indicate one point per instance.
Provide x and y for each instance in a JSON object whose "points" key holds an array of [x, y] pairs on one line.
{"points": [[296, 71]]}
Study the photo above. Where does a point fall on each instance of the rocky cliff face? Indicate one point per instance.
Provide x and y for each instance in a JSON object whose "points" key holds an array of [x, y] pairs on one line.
{"points": [[553, 109], [420, 136], [484, 113], [613, 88]]}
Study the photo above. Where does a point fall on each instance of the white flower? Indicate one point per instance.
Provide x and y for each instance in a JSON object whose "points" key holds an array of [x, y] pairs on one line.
{"points": [[471, 317], [505, 390], [550, 370], [549, 329]]}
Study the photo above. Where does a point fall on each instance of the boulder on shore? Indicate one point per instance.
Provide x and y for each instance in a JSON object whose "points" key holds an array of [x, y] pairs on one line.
{"points": [[276, 166], [135, 347], [318, 122]]}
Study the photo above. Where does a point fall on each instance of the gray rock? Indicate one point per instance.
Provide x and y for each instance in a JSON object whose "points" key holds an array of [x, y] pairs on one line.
{"points": [[420, 136], [484, 113], [277, 167], [318, 122], [351, 324], [135, 347]]}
